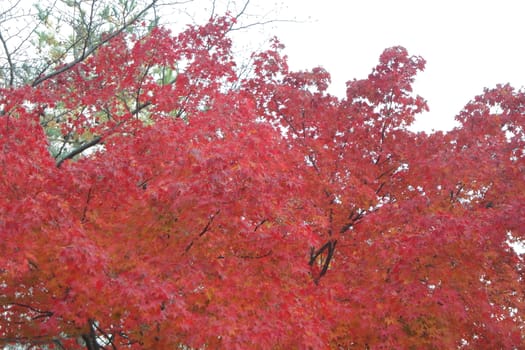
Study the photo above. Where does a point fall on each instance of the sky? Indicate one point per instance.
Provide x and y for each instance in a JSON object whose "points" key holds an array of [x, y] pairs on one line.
{"points": [[468, 45]]}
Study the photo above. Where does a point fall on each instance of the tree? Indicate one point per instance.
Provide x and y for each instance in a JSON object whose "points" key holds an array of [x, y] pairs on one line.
{"points": [[178, 209]]}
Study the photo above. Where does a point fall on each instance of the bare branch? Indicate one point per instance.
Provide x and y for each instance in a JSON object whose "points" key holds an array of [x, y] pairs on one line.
{"points": [[89, 28], [243, 10], [15, 5], [212, 10], [253, 24], [9, 61]]}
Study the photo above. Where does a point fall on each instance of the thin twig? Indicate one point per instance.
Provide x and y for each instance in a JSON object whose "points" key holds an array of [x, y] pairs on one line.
{"points": [[264, 23]]}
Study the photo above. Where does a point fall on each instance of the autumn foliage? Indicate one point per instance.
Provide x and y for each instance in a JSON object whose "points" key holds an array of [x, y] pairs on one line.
{"points": [[192, 206]]}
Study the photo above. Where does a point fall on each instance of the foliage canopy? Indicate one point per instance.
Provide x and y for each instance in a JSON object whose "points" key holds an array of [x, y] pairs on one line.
{"points": [[153, 198]]}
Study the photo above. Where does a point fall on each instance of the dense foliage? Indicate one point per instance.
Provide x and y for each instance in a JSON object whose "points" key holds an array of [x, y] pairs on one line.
{"points": [[152, 198]]}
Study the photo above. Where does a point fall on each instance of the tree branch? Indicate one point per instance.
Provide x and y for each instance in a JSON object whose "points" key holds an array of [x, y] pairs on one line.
{"points": [[329, 248], [212, 10], [9, 61], [91, 338], [96, 140], [88, 52], [79, 150], [205, 229], [40, 313], [246, 26], [208, 225], [10, 8], [89, 28], [243, 9]]}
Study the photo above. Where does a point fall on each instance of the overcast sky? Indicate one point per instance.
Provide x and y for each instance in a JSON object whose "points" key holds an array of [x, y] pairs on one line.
{"points": [[468, 44]]}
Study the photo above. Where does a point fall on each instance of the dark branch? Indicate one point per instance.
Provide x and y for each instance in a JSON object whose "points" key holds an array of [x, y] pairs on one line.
{"points": [[259, 224], [79, 150], [354, 218], [59, 344], [96, 140], [329, 248], [243, 10], [89, 28], [40, 313], [205, 229], [91, 338], [15, 5], [208, 225], [9, 61], [108, 338], [212, 10]]}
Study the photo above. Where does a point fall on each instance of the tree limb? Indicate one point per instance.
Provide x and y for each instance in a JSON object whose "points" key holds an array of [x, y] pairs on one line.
{"points": [[96, 140], [79, 150], [9, 61]]}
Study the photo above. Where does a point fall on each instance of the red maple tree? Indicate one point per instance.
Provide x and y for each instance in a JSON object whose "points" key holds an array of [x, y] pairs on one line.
{"points": [[183, 206]]}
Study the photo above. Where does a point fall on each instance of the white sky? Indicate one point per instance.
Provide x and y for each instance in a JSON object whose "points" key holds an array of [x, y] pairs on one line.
{"points": [[468, 44]]}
